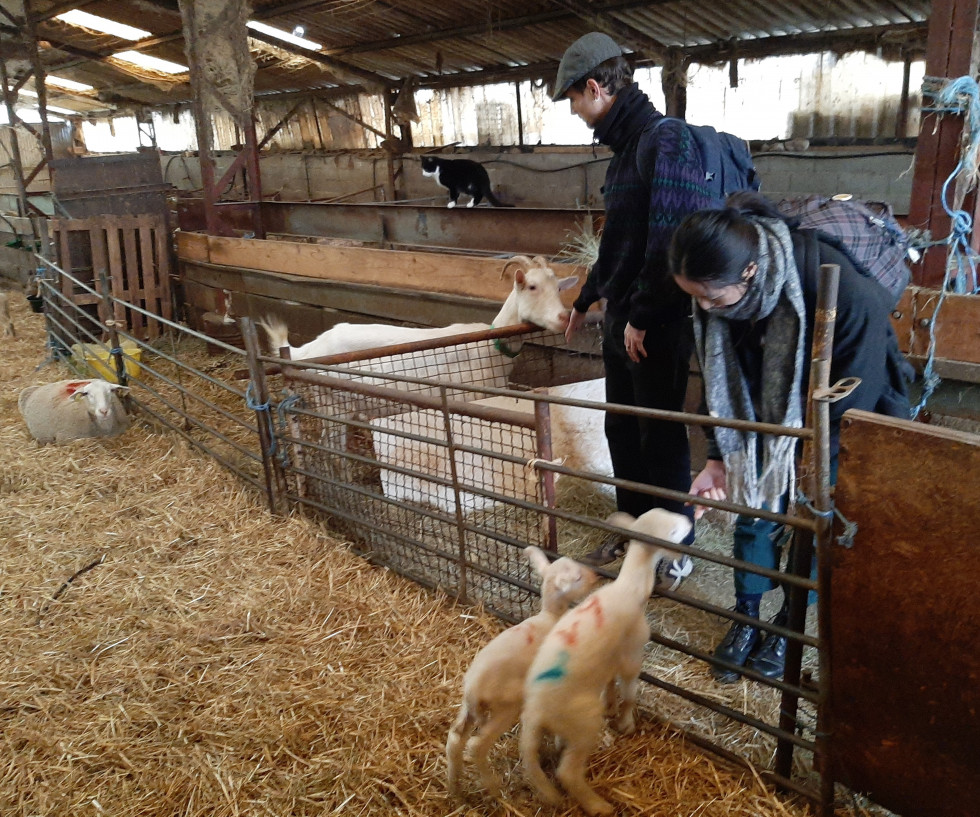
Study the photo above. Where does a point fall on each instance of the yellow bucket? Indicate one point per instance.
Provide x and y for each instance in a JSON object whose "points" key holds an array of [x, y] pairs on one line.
{"points": [[99, 361]]}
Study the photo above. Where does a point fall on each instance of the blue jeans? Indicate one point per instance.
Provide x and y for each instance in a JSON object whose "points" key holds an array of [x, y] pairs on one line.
{"points": [[758, 542]]}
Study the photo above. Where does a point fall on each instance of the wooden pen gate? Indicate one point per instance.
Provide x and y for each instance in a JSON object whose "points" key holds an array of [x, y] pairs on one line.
{"points": [[131, 253]]}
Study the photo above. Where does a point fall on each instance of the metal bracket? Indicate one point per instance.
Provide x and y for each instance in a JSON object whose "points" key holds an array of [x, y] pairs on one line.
{"points": [[841, 389]]}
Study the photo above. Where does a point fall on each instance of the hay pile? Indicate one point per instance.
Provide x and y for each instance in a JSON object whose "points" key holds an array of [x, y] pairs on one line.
{"points": [[170, 648]]}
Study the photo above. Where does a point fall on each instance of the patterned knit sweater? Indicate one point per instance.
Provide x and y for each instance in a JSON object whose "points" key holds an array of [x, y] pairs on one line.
{"points": [[653, 181]]}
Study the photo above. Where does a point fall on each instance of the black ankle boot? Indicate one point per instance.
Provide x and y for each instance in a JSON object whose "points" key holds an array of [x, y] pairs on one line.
{"points": [[737, 644], [770, 659]]}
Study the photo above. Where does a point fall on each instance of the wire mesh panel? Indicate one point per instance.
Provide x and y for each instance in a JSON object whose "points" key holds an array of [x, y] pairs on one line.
{"points": [[425, 472]]}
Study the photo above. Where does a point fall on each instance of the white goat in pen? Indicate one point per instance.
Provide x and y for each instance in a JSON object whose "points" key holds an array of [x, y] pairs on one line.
{"points": [[533, 299], [577, 441], [493, 687], [573, 679], [73, 409]]}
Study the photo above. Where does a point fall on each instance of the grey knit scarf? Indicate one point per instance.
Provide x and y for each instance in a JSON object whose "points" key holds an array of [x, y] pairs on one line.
{"points": [[773, 292]]}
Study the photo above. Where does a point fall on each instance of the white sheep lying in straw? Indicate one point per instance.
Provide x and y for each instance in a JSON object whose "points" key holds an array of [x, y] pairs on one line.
{"points": [[573, 678], [493, 686], [73, 409], [533, 299]]}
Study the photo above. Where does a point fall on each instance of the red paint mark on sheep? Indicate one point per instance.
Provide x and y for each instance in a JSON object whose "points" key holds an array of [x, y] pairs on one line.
{"points": [[75, 385], [594, 606], [569, 633]]}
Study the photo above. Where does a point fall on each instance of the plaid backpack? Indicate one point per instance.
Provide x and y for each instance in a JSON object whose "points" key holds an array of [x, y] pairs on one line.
{"points": [[865, 231]]}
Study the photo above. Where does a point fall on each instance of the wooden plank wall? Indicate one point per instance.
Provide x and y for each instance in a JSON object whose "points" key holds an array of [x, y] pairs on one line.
{"points": [[133, 251]]}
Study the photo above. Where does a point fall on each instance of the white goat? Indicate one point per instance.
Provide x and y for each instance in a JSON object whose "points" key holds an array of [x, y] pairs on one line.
{"points": [[581, 660], [577, 440], [72, 409], [493, 686], [533, 299]]}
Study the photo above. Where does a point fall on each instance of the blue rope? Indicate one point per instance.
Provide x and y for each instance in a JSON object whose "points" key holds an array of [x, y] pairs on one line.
{"points": [[962, 96], [264, 409]]}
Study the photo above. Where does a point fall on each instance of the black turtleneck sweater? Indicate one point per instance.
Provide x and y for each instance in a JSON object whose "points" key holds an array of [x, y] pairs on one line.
{"points": [[653, 181]]}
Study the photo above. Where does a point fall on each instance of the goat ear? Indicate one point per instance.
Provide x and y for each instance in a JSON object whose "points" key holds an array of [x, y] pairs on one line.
{"points": [[537, 559], [567, 283]]}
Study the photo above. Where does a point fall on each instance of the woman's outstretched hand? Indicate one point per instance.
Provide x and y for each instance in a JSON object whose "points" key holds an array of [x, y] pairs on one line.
{"points": [[711, 483]]}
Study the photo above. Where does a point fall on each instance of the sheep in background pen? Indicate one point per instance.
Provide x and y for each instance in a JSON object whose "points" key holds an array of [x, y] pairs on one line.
{"points": [[573, 679], [493, 686], [72, 410]]}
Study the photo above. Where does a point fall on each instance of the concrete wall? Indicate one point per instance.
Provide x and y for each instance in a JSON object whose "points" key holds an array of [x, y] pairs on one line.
{"points": [[558, 177]]}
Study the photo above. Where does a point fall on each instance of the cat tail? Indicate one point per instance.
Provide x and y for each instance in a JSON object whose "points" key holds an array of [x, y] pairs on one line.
{"points": [[490, 197]]}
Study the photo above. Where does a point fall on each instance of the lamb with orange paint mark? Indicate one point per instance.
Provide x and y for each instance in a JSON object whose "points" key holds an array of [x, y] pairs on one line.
{"points": [[493, 686], [593, 649]]}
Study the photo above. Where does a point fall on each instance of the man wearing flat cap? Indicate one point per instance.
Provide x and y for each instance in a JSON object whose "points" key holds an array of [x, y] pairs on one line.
{"points": [[653, 181]]}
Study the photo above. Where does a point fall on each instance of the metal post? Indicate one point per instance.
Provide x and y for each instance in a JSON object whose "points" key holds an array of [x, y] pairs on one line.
{"points": [[546, 479], [274, 478], [454, 474], [815, 476], [114, 348]]}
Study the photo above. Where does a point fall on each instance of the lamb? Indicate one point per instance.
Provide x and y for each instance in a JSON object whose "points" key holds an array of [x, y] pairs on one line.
{"points": [[73, 409], [581, 660], [533, 299], [494, 684]]}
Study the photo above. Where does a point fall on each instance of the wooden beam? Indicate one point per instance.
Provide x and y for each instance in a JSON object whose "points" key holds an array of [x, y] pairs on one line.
{"points": [[424, 271]]}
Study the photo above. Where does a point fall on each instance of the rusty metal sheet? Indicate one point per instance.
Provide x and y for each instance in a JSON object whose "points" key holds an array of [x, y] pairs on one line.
{"points": [[533, 231], [127, 184], [905, 607]]}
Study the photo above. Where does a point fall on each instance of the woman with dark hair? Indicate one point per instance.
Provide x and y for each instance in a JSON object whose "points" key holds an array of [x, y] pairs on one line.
{"points": [[753, 276]]}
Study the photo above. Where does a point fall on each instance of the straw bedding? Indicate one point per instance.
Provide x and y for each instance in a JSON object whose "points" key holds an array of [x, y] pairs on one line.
{"points": [[172, 649]]}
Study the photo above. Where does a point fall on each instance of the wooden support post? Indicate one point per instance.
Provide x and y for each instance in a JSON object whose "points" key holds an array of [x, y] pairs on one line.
{"points": [[389, 155], [520, 114], [950, 53]]}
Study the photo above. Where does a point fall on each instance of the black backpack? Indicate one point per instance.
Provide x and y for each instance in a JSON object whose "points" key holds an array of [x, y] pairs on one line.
{"points": [[865, 231], [727, 162]]}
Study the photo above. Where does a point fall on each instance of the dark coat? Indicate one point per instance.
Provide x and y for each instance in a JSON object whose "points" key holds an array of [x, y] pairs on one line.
{"points": [[865, 344], [653, 181]]}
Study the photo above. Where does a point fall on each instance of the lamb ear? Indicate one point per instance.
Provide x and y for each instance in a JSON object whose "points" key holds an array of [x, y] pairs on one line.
{"points": [[621, 519], [537, 559], [121, 391]]}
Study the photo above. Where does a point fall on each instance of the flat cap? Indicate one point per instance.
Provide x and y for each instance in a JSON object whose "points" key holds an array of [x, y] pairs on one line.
{"points": [[581, 57]]}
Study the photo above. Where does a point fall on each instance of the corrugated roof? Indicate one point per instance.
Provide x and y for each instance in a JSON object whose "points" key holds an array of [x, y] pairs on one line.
{"points": [[452, 43]]}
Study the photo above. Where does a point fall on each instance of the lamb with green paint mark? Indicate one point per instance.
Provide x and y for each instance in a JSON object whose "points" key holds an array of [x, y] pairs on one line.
{"points": [[596, 647], [493, 686]]}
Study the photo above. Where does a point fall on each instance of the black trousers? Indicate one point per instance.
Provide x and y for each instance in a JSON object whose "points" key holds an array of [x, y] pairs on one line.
{"points": [[654, 452]]}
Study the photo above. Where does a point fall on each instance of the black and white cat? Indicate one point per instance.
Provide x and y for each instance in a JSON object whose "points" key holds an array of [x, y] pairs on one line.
{"points": [[461, 176]]}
